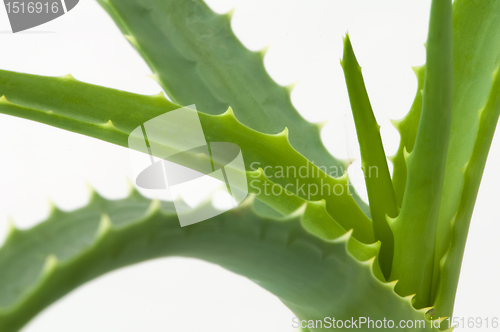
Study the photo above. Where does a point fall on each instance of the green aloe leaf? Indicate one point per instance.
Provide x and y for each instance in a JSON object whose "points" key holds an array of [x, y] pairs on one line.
{"points": [[476, 54], [407, 128], [378, 184], [415, 227], [325, 257], [98, 112], [472, 173], [197, 59], [307, 273]]}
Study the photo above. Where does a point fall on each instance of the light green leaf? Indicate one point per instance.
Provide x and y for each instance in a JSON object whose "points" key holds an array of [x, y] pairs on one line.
{"points": [[111, 115], [307, 273], [378, 184], [476, 55], [197, 59], [472, 173], [415, 228]]}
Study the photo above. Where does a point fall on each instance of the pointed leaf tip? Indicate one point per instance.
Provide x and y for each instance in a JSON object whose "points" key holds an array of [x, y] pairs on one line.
{"points": [[132, 40], [480, 113], [132, 190], [50, 264], [392, 284], [345, 37], [348, 55], [229, 112], [284, 133], [496, 73], [154, 77], [418, 69], [11, 229], [344, 178], [344, 238], [390, 221], [369, 263], [406, 155], [53, 209], [300, 211], [90, 189], [105, 226], [262, 52], [159, 95], [109, 125], [464, 167], [320, 125], [155, 205], [321, 203], [67, 77], [291, 86], [230, 13], [396, 123], [409, 298]]}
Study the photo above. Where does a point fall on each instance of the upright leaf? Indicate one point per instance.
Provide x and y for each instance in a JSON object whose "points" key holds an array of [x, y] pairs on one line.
{"points": [[451, 264], [378, 183], [476, 55], [415, 227]]}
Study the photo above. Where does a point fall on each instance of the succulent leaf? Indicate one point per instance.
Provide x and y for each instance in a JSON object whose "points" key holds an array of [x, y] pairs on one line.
{"points": [[318, 252], [473, 171], [476, 49], [309, 274], [197, 59], [415, 227], [379, 186], [88, 109]]}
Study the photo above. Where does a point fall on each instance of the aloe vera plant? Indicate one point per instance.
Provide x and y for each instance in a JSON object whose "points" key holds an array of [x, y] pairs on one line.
{"points": [[322, 254]]}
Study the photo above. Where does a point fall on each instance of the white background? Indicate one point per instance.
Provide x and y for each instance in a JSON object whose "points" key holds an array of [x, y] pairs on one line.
{"points": [[41, 163]]}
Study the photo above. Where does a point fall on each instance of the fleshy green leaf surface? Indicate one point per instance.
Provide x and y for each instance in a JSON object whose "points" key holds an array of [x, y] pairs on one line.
{"points": [[321, 259], [407, 128], [415, 227], [197, 59], [374, 162], [310, 275], [111, 115], [472, 173], [476, 55]]}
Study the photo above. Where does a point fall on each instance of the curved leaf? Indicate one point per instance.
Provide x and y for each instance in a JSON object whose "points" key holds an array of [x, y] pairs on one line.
{"points": [[310, 275], [379, 186], [197, 59], [111, 115]]}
